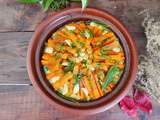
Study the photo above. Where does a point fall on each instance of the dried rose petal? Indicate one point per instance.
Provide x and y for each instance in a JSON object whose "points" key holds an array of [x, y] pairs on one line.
{"points": [[143, 101], [127, 104]]}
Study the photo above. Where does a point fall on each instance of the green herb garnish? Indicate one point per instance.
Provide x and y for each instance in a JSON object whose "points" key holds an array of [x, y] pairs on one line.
{"points": [[54, 4], [45, 69], [85, 63], [87, 33], [103, 51], [81, 44], [78, 78], [103, 25], [101, 75], [110, 76], [61, 47], [98, 65], [70, 67]]}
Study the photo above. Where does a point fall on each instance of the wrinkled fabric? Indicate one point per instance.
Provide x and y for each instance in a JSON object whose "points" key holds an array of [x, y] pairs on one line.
{"points": [[140, 100], [128, 105], [143, 101]]}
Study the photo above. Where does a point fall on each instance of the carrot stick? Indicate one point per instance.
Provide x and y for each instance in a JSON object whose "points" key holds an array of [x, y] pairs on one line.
{"points": [[95, 90], [62, 81], [112, 53], [62, 34], [50, 42], [109, 35], [96, 48], [65, 55], [120, 66], [59, 40], [95, 30], [71, 86], [82, 26], [51, 75], [111, 85], [96, 93], [97, 85], [82, 96], [108, 89], [109, 41], [71, 36], [87, 85], [44, 62], [98, 33], [46, 56]]}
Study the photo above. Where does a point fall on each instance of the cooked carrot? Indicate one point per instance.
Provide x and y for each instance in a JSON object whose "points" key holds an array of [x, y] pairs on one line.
{"points": [[97, 85], [120, 66], [52, 74], [50, 42], [111, 85], [82, 26], [81, 93], [108, 89], [98, 33], [117, 57], [96, 48], [71, 86], [44, 62], [109, 34], [71, 36], [72, 24], [104, 67], [82, 53], [91, 28], [116, 77], [77, 31], [108, 42], [95, 91], [88, 42], [87, 84], [62, 81], [59, 40], [62, 34], [95, 30], [94, 88], [121, 54], [71, 50], [46, 56], [53, 64], [53, 67], [97, 52], [65, 55], [112, 53]]}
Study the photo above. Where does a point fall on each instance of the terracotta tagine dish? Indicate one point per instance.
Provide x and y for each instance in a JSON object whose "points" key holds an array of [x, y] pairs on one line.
{"points": [[38, 78]]}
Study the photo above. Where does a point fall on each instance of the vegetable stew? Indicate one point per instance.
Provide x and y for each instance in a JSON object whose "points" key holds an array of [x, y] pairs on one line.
{"points": [[83, 60]]}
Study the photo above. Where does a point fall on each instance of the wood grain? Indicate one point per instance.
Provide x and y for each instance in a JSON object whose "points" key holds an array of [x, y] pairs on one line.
{"points": [[13, 50], [19, 17], [23, 103]]}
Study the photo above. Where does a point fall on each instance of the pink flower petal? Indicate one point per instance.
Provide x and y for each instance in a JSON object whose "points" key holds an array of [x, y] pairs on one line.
{"points": [[127, 104], [143, 101]]}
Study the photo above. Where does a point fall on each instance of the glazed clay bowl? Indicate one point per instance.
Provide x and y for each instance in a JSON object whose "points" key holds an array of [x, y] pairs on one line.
{"points": [[37, 77]]}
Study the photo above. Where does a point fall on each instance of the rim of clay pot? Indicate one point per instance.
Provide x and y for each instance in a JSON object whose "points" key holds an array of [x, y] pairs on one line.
{"points": [[37, 77]]}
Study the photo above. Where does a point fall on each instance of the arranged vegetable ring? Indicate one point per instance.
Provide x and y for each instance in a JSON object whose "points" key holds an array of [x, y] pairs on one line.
{"points": [[83, 60]]}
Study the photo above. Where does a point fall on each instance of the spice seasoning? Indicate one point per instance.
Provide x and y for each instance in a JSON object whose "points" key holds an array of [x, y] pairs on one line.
{"points": [[148, 76]]}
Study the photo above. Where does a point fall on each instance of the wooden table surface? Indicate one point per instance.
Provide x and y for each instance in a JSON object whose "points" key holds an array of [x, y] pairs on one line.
{"points": [[18, 98]]}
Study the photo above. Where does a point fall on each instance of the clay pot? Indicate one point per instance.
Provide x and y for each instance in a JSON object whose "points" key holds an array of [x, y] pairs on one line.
{"points": [[37, 77]]}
